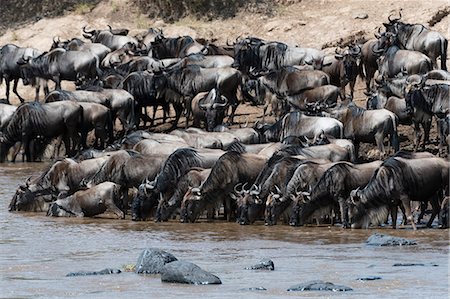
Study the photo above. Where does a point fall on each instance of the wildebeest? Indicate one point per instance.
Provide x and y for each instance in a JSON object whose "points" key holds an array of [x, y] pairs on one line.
{"points": [[259, 54], [289, 81], [98, 118], [343, 69], [363, 125], [379, 100], [180, 47], [303, 180], [46, 120], [96, 200], [65, 175], [209, 107], [10, 71], [399, 180], [190, 80], [108, 38], [230, 169], [149, 89], [298, 124], [175, 166], [206, 61], [424, 102], [60, 64], [394, 60], [417, 37], [316, 99], [334, 187], [194, 178], [76, 44], [368, 64]]}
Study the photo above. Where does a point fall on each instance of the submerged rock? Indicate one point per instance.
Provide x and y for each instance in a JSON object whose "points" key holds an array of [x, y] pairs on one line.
{"points": [[368, 278], [186, 272], [101, 272], [151, 261], [319, 285], [254, 289], [265, 264], [386, 240], [413, 265]]}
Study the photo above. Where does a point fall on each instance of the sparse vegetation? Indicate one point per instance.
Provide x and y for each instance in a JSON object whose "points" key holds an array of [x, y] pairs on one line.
{"points": [[173, 10], [84, 8]]}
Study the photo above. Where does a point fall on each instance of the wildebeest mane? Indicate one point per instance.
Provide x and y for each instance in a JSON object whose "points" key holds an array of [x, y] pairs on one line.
{"points": [[236, 146], [355, 110], [326, 188], [268, 167], [28, 117], [226, 164], [177, 165]]}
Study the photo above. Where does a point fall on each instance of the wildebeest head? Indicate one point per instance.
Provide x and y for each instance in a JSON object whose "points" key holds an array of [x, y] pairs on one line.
{"points": [[25, 200], [349, 59], [213, 105], [144, 201], [191, 206], [246, 55], [249, 207], [275, 205], [298, 200]]}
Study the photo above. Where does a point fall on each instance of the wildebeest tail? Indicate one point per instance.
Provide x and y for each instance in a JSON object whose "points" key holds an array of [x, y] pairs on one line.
{"points": [[361, 70], [444, 46]]}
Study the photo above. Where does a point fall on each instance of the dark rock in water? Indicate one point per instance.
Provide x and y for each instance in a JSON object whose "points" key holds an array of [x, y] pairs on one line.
{"points": [[319, 285], [413, 265], [186, 272], [262, 265], [385, 240], [101, 272], [151, 261], [254, 289], [367, 278]]}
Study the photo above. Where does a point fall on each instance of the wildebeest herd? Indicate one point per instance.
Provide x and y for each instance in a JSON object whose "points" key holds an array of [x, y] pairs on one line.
{"points": [[304, 168]]}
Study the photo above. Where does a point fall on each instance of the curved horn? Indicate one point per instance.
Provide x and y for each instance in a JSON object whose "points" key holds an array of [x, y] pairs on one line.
{"points": [[378, 33], [109, 26], [54, 41], [88, 32], [236, 188], [338, 51], [376, 50], [217, 105], [278, 189], [396, 19]]}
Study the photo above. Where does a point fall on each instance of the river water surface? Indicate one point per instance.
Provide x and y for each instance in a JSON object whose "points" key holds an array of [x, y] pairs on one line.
{"points": [[38, 251]]}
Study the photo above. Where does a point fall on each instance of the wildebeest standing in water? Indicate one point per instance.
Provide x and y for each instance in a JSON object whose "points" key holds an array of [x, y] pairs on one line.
{"points": [[231, 169], [334, 188], [46, 120], [398, 181], [65, 175]]}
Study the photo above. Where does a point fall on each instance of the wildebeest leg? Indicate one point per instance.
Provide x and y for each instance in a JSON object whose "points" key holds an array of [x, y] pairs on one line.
{"points": [[178, 111], [407, 205], [111, 207], [417, 135], [8, 81], [394, 211], [434, 201], [352, 87], [423, 208], [379, 138], [16, 81], [426, 130], [344, 212]]}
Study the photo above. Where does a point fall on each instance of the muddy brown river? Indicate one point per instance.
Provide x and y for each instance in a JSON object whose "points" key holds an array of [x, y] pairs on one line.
{"points": [[38, 251]]}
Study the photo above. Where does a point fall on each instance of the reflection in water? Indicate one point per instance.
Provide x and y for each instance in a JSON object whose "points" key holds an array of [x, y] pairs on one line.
{"points": [[38, 251]]}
